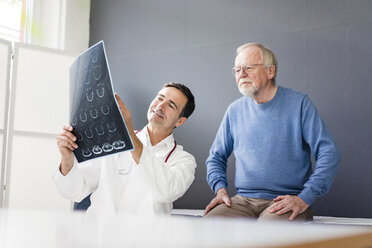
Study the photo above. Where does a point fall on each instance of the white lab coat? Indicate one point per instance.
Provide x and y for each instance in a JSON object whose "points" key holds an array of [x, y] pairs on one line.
{"points": [[119, 185]]}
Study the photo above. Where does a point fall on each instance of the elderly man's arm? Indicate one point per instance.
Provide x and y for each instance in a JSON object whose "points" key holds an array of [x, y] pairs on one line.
{"points": [[323, 147], [217, 164]]}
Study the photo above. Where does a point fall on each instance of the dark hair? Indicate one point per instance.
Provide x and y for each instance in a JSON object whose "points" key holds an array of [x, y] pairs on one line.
{"points": [[190, 105]]}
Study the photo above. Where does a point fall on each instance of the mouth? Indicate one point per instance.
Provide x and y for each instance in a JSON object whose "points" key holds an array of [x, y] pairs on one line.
{"points": [[158, 113], [244, 82]]}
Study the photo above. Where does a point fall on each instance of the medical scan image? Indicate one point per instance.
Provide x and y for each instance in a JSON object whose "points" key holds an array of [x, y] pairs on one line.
{"points": [[94, 114]]}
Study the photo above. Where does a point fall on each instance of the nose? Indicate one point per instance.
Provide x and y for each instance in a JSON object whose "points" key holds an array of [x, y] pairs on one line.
{"points": [[161, 105], [240, 75]]}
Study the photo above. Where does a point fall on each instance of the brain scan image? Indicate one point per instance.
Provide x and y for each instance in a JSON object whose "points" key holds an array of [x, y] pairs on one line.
{"points": [[100, 130], [89, 95], [97, 72], [94, 114], [79, 137], [83, 117], [101, 92], [96, 149], [105, 109], [118, 144], [89, 133], [86, 152], [111, 127], [74, 121], [107, 147]]}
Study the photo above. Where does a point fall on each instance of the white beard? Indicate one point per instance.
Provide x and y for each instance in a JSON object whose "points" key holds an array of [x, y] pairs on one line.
{"points": [[248, 90]]}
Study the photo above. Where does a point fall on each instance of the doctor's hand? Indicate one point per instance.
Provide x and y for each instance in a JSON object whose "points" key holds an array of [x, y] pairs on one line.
{"points": [[66, 144], [286, 203], [138, 146], [221, 197], [126, 114]]}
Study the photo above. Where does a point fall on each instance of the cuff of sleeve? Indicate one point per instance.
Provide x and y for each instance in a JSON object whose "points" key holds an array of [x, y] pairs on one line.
{"points": [[307, 197], [68, 184], [219, 185]]}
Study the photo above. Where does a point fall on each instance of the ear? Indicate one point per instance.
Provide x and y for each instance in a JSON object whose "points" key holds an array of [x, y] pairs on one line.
{"points": [[180, 121], [271, 71]]}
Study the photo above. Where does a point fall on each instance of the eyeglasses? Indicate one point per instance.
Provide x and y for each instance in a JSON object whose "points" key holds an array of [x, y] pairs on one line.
{"points": [[246, 68]]}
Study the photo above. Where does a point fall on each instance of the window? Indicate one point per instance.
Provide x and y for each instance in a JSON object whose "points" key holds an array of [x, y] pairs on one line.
{"points": [[58, 24], [10, 19]]}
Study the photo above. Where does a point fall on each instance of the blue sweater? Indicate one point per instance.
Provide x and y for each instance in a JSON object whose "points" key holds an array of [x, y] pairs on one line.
{"points": [[272, 144]]}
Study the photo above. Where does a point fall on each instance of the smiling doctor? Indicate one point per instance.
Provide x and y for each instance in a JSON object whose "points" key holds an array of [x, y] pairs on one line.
{"points": [[146, 180]]}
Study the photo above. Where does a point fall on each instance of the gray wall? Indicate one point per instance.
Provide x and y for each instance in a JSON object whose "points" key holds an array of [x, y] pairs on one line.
{"points": [[324, 49]]}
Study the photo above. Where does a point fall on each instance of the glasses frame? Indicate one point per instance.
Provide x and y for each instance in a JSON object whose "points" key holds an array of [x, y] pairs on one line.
{"points": [[246, 68]]}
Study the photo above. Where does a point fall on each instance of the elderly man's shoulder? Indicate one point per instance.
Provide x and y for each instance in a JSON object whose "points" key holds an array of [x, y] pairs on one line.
{"points": [[292, 95], [243, 100], [291, 91]]}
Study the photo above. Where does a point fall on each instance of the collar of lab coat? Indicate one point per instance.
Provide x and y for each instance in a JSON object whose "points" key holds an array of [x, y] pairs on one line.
{"points": [[144, 137]]}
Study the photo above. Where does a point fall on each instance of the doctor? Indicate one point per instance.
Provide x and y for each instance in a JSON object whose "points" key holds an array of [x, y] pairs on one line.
{"points": [[146, 180]]}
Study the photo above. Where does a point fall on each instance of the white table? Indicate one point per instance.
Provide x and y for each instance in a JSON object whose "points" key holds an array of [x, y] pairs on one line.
{"points": [[54, 229]]}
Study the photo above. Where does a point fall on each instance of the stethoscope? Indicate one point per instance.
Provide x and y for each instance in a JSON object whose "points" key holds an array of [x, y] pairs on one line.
{"points": [[125, 171]]}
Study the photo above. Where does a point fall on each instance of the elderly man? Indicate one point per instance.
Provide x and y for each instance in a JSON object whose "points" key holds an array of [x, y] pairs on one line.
{"points": [[273, 131], [144, 181]]}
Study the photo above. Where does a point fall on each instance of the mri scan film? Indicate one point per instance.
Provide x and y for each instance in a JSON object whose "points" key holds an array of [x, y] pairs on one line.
{"points": [[94, 114]]}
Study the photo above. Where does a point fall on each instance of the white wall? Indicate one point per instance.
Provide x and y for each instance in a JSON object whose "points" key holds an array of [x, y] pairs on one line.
{"points": [[76, 37]]}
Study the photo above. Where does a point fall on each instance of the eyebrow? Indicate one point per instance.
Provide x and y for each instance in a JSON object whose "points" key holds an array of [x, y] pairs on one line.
{"points": [[175, 105]]}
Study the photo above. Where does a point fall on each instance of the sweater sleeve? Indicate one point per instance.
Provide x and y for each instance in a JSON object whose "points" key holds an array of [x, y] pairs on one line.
{"points": [[167, 181], [219, 153], [324, 150]]}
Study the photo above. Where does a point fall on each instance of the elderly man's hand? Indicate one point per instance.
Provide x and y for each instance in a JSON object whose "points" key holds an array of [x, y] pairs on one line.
{"points": [[221, 197], [286, 203]]}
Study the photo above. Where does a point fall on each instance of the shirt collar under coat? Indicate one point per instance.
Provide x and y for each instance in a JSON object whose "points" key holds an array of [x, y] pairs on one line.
{"points": [[144, 137]]}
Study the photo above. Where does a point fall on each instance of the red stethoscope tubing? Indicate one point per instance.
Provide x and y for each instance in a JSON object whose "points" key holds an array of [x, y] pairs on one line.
{"points": [[170, 153]]}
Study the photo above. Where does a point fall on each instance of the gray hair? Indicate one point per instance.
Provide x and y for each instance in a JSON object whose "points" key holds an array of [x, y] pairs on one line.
{"points": [[267, 55]]}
